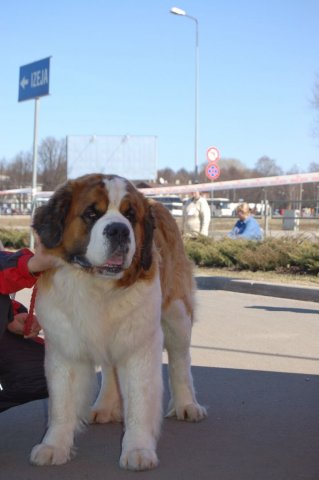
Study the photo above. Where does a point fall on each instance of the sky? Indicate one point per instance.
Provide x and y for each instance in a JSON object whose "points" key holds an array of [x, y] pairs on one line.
{"points": [[128, 68]]}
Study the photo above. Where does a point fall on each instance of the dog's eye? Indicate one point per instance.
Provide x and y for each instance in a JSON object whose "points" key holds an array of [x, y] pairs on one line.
{"points": [[130, 215], [90, 214]]}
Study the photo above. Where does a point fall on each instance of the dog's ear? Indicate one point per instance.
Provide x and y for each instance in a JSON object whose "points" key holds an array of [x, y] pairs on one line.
{"points": [[149, 225], [49, 219]]}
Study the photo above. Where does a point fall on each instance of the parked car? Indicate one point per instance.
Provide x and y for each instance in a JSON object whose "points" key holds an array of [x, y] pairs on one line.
{"points": [[172, 202], [220, 207]]}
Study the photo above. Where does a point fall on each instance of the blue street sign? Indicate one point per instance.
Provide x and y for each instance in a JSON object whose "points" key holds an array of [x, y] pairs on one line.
{"points": [[34, 80]]}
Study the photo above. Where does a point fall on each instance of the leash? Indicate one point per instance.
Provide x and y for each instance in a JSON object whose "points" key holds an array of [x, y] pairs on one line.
{"points": [[29, 319]]}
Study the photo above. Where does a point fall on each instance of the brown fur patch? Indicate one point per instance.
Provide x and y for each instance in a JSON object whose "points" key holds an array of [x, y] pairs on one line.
{"points": [[175, 268]]}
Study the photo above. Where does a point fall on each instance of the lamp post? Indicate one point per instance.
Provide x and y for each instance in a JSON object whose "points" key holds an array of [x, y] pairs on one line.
{"points": [[179, 11]]}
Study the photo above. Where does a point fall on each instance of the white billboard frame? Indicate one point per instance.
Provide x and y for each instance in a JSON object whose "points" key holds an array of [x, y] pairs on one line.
{"points": [[130, 156]]}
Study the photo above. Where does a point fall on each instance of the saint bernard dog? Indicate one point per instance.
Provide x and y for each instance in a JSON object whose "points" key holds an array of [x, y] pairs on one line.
{"points": [[123, 289]]}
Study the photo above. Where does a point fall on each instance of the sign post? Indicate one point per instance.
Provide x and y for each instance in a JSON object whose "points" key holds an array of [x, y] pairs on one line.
{"points": [[35, 152], [34, 81], [212, 170]]}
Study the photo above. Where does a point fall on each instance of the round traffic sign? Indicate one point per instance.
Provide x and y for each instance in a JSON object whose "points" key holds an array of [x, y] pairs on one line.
{"points": [[213, 154], [212, 171]]}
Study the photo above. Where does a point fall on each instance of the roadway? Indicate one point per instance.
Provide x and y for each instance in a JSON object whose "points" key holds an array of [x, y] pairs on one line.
{"points": [[255, 365]]}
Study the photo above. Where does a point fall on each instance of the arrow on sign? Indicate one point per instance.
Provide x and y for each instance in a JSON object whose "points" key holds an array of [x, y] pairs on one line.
{"points": [[24, 82]]}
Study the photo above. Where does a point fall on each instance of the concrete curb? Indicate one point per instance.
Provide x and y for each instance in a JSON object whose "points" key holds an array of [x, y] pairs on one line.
{"points": [[307, 294]]}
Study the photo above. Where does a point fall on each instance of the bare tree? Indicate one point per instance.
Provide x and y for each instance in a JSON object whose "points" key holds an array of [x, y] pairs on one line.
{"points": [[4, 177], [166, 175], [315, 103], [52, 163], [267, 167], [182, 176], [313, 167], [19, 170]]}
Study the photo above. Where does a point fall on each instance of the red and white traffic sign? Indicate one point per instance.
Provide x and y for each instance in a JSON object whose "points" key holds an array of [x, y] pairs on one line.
{"points": [[212, 171], [213, 154]]}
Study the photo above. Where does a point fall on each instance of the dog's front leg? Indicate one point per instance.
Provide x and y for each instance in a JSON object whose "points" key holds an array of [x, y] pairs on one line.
{"points": [[141, 386], [56, 446]]}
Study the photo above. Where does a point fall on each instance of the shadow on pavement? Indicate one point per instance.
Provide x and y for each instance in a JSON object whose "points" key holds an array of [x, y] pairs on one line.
{"points": [[285, 309], [230, 284], [261, 426]]}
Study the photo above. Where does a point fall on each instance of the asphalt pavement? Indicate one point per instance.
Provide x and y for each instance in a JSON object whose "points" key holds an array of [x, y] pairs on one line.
{"points": [[255, 362]]}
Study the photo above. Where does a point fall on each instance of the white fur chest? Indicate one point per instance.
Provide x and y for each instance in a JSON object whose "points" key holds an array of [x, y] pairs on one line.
{"points": [[91, 319]]}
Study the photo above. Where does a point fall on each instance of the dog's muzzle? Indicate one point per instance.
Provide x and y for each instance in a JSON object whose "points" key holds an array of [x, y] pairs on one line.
{"points": [[118, 239], [117, 242]]}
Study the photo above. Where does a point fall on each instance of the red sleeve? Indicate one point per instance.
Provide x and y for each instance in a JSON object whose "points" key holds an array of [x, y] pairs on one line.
{"points": [[18, 307], [14, 273]]}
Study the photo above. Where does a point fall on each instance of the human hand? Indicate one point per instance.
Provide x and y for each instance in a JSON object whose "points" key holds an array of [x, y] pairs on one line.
{"points": [[41, 260], [17, 325]]}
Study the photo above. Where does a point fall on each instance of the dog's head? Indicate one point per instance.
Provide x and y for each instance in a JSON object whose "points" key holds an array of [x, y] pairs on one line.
{"points": [[100, 223]]}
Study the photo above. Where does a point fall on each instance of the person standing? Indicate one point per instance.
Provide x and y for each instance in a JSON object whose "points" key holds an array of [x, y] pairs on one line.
{"points": [[196, 215]]}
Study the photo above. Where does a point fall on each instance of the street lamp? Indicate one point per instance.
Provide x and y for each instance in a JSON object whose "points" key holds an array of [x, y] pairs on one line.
{"points": [[179, 11]]}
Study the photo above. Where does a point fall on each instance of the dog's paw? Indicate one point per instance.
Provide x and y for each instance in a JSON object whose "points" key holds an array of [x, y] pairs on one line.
{"points": [[43, 454], [193, 412], [106, 415], [139, 459]]}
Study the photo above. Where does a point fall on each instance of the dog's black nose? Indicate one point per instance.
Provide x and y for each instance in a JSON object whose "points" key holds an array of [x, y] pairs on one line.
{"points": [[117, 232]]}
